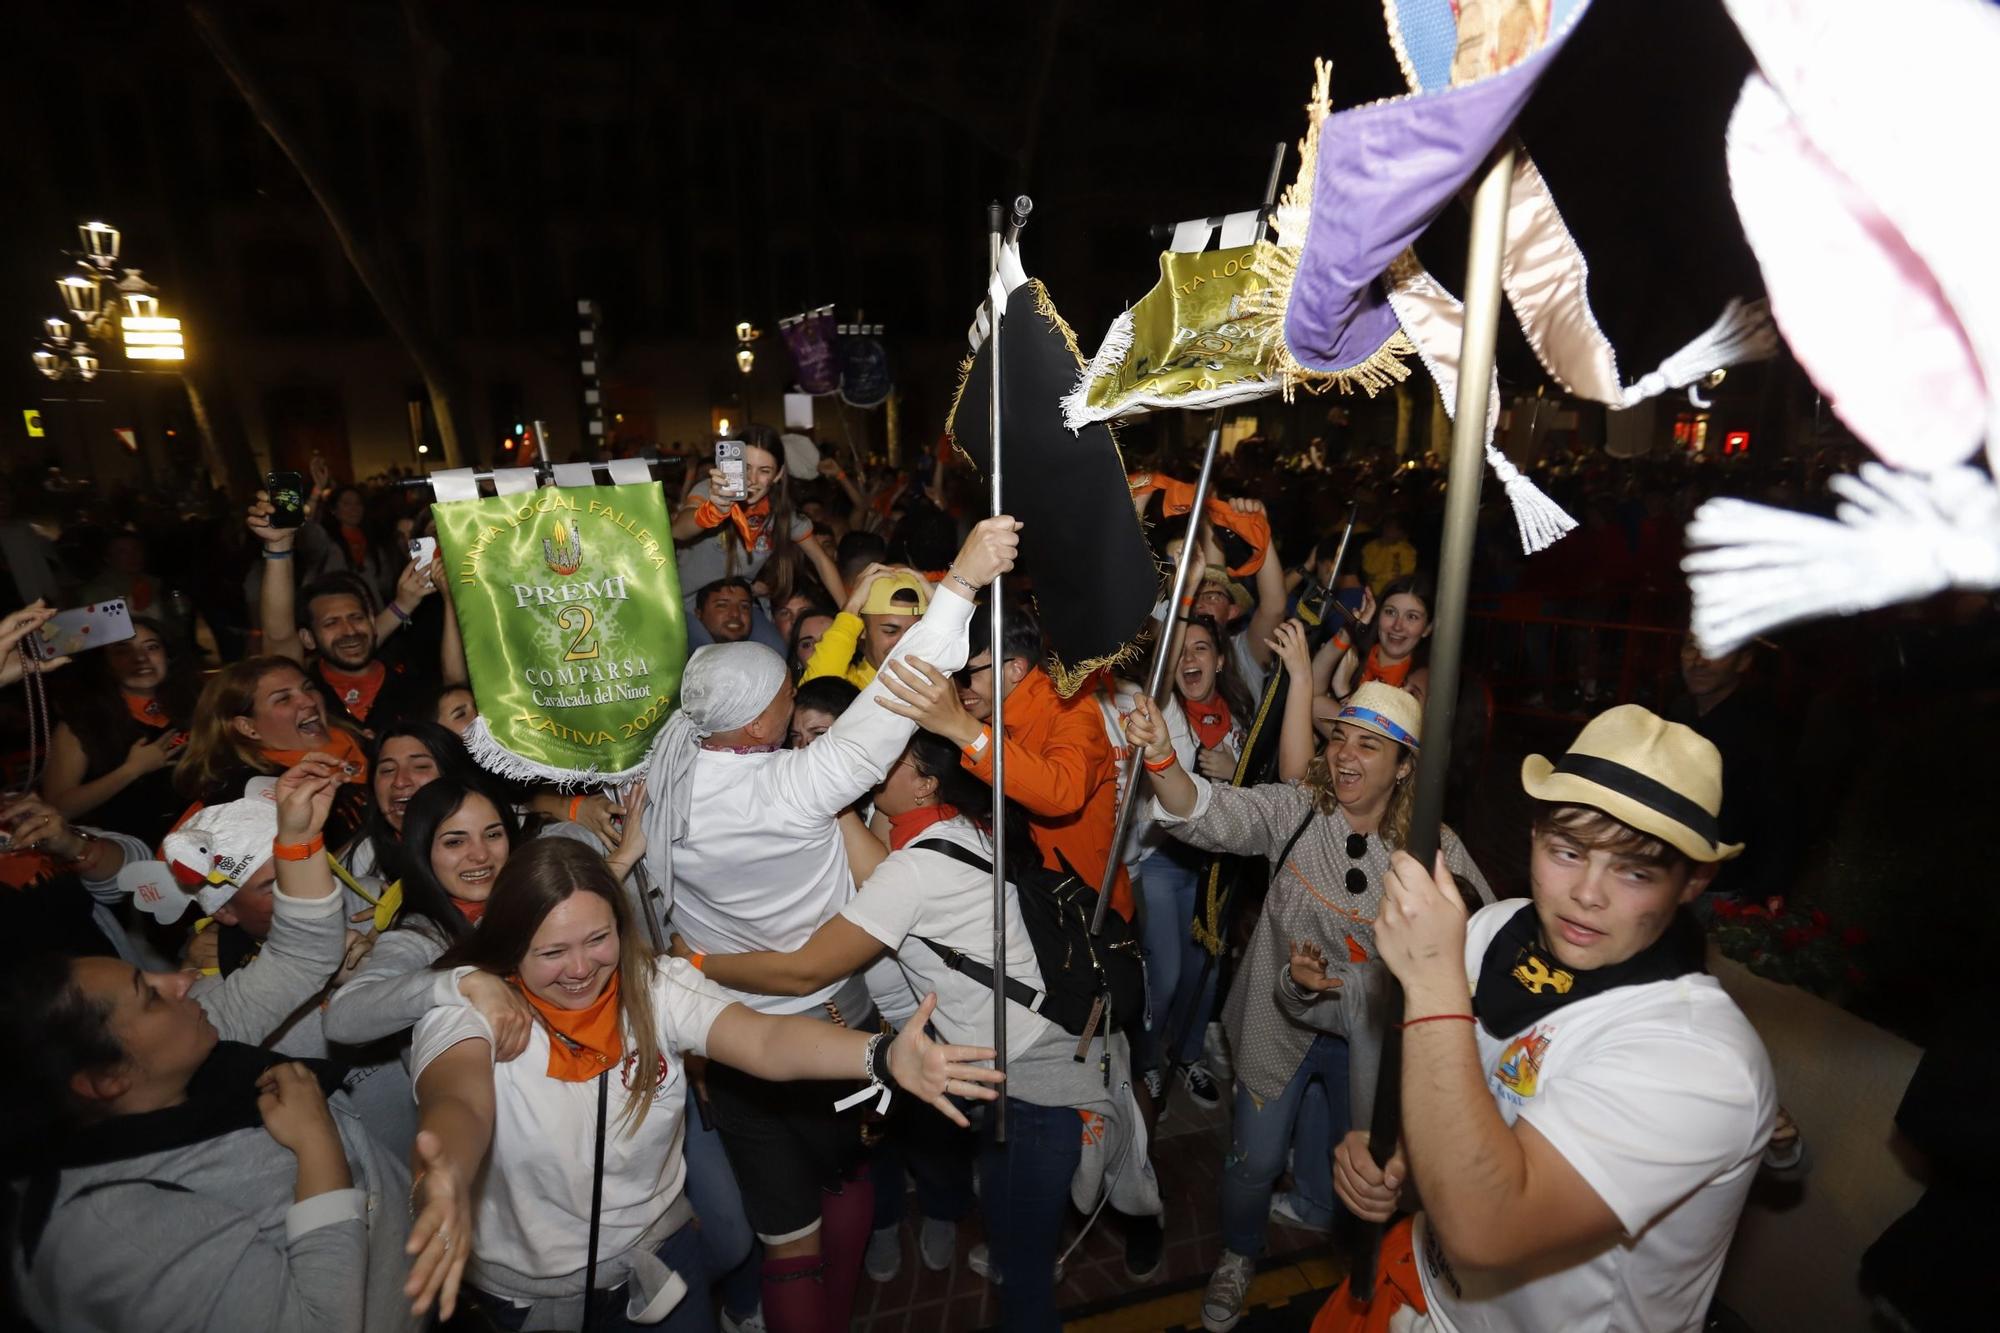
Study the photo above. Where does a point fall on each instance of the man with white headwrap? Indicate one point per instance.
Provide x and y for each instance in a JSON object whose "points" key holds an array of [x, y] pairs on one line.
{"points": [[744, 851]]}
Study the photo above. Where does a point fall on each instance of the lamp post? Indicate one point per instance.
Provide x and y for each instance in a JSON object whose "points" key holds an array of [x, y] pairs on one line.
{"points": [[107, 304], [746, 359]]}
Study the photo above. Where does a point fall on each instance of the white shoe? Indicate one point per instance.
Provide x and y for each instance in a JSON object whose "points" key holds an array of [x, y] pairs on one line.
{"points": [[1215, 1053], [1228, 1287], [980, 1260], [749, 1323], [1200, 1086], [885, 1254]]}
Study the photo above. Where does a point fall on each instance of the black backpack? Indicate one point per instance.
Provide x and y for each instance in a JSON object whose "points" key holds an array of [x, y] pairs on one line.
{"points": [[1088, 981]]}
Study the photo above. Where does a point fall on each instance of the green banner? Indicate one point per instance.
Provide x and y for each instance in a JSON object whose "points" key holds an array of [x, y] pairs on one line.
{"points": [[570, 605]]}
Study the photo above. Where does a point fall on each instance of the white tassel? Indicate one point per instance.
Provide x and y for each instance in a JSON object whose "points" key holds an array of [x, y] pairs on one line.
{"points": [[1541, 520], [1898, 536], [487, 751], [1111, 354], [1742, 333]]}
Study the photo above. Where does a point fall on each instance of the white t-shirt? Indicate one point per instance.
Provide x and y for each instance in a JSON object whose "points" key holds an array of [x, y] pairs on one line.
{"points": [[1661, 1098], [925, 893], [534, 1203]]}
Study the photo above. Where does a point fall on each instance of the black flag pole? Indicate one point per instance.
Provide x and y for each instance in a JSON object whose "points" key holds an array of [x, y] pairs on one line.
{"points": [[1461, 520], [1001, 229]]}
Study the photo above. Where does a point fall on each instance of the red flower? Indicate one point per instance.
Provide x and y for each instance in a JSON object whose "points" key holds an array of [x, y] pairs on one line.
{"points": [[1855, 976], [1853, 935], [1792, 939], [1819, 919]]}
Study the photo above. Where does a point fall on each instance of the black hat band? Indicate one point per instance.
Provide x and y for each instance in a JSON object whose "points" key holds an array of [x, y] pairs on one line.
{"points": [[1654, 795]]}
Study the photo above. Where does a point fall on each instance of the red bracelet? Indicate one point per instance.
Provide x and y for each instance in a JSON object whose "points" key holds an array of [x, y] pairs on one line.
{"points": [[1163, 765], [1438, 1018], [299, 851]]}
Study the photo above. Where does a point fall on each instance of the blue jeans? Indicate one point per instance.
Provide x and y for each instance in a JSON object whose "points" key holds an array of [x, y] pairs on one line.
{"points": [[918, 1142], [1260, 1135], [1169, 885], [727, 1242], [682, 1252], [1024, 1191]]}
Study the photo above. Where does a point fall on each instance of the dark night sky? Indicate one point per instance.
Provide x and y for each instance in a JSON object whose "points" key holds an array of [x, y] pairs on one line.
{"points": [[1149, 114]]}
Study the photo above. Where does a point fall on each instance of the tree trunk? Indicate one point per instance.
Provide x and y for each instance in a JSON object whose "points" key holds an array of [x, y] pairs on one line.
{"points": [[417, 339]]}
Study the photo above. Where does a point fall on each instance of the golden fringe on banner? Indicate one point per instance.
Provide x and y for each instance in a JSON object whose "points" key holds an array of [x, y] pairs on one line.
{"points": [[1277, 263]]}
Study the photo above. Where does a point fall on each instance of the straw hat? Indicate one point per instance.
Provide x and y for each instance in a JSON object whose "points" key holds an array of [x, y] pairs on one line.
{"points": [[1386, 711], [883, 595], [1660, 777], [1217, 576]]}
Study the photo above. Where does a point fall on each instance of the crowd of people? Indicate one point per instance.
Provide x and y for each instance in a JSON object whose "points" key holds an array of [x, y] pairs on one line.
{"points": [[316, 1023]]}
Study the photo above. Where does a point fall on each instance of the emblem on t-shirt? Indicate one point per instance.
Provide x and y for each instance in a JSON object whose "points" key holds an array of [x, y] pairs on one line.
{"points": [[352, 697], [632, 1062], [1520, 1069]]}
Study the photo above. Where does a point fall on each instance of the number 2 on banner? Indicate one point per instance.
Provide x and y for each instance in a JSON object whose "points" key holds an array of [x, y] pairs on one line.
{"points": [[579, 619]]}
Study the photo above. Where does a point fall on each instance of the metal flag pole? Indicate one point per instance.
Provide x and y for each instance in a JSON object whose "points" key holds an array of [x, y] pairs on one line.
{"points": [[1000, 230], [1157, 683], [1461, 520]]}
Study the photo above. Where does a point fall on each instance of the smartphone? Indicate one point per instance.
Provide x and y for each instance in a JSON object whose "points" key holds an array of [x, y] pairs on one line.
{"points": [[288, 498], [1351, 598], [82, 628], [729, 458], [423, 550]]}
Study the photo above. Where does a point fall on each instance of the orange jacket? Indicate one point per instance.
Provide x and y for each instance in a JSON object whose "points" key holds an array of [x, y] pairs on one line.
{"points": [[1061, 770]]}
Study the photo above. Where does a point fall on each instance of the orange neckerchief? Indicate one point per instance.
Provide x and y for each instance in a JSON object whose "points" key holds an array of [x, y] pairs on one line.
{"points": [[749, 520], [470, 911], [357, 689], [1376, 669], [1178, 498], [338, 744], [146, 710], [356, 541], [1209, 720], [585, 1042], [904, 828]]}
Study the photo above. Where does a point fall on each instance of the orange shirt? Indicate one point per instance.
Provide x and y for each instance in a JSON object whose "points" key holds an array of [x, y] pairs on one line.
{"points": [[1060, 769]]}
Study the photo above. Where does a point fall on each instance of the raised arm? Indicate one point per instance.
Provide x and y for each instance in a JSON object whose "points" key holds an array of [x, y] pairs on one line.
{"points": [[1296, 736], [276, 594], [831, 774], [1270, 599], [823, 564]]}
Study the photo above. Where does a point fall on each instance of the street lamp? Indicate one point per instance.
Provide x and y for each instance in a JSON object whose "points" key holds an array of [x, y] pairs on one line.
{"points": [[140, 329]]}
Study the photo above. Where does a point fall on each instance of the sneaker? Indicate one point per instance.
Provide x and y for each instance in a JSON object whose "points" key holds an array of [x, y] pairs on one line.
{"points": [[1156, 1085], [937, 1244], [1145, 1247], [1215, 1053], [1222, 1303], [1200, 1086], [749, 1323], [980, 1260], [1285, 1209], [885, 1254]]}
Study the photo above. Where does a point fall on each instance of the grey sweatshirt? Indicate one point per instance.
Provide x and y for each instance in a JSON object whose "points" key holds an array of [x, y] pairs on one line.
{"points": [[228, 1249]]}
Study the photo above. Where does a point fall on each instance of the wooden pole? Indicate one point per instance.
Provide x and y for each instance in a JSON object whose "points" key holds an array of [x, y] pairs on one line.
{"points": [[1461, 521]]}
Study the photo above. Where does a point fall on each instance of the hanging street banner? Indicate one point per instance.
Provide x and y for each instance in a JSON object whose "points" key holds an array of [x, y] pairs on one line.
{"points": [[570, 606]]}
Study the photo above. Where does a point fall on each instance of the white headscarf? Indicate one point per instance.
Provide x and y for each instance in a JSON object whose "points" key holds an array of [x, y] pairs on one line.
{"points": [[725, 686]]}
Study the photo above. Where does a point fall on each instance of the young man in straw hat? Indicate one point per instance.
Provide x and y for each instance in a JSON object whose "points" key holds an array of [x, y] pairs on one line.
{"points": [[1583, 1108]]}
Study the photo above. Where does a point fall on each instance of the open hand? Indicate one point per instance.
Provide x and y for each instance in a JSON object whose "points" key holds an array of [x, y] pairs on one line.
{"points": [[937, 1072], [915, 689], [441, 1233], [1309, 968], [16, 627], [506, 1011]]}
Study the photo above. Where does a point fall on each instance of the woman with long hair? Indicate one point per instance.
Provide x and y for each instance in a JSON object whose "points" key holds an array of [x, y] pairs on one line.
{"points": [[1208, 716], [1392, 644], [497, 1138], [358, 544], [459, 836], [407, 757], [757, 535], [261, 716], [926, 897], [1328, 838], [126, 717]]}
